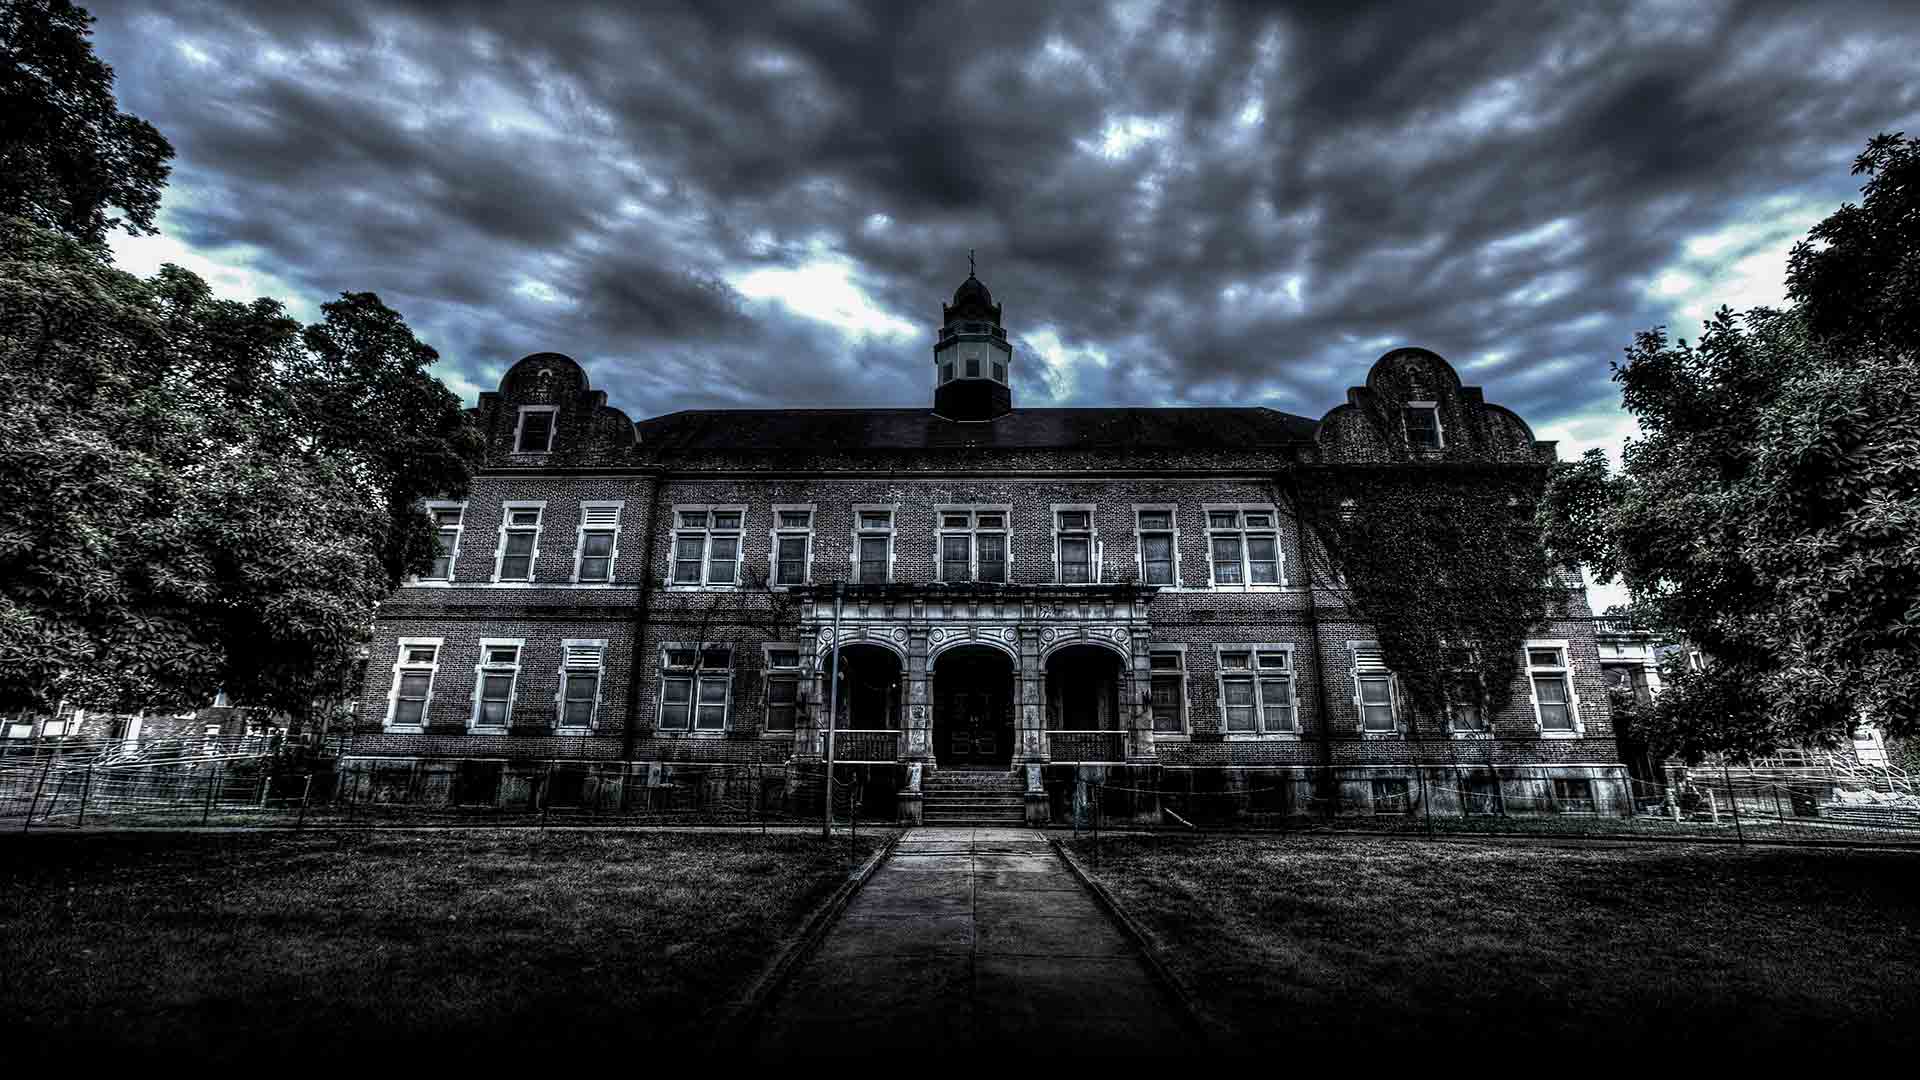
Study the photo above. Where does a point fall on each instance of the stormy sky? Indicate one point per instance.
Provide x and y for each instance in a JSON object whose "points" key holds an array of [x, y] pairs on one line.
{"points": [[722, 204]]}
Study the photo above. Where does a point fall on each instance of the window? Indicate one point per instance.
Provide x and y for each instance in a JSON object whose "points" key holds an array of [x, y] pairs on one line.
{"points": [[66, 721], [946, 373], [696, 686], [873, 544], [1547, 675], [1391, 797], [1373, 691], [580, 671], [999, 371], [1245, 545], [1423, 425], [792, 544], [1256, 689], [1466, 701], [1157, 548], [413, 670], [783, 686], [706, 545], [519, 541], [1074, 543], [973, 544], [494, 678], [446, 522], [1168, 694], [973, 367], [535, 432], [1481, 795], [599, 537], [1573, 796]]}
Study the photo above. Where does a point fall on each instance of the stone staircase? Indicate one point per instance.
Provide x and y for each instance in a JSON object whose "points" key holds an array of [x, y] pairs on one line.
{"points": [[974, 797]]}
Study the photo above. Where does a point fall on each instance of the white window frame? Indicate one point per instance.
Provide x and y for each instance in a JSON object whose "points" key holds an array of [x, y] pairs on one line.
{"points": [[1354, 651], [797, 673], [482, 668], [1092, 533], [520, 424], [1565, 672], [892, 510], [1185, 704], [706, 534], [972, 532], [573, 661], [500, 550], [1259, 676], [780, 532], [694, 676], [434, 508], [1243, 532], [1140, 540], [618, 506], [400, 666], [1439, 429], [67, 717]]}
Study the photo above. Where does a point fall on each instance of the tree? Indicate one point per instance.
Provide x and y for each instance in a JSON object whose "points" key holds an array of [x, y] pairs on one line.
{"points": [[188, 501], [1770, 513], [68, 155]]}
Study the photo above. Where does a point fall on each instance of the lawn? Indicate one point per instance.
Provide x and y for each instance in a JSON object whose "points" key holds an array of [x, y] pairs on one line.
{"points": [[1479, 949], [477, 945]]}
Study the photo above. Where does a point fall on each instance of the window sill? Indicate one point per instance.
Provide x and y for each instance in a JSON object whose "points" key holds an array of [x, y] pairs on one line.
{"points": [[1470, 734], [1171, 736], [482, 730], [1383, 734], [682, 586], [776, 734], [1278, 586], [403, 729], [678, 733], [1263, 736], [1560, 734], [573, 731]]}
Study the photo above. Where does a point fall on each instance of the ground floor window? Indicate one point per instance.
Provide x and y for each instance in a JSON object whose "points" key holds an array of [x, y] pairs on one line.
{"points": [[1391, 797], [696, 687], [1573, 796], [1169, 692], [580, 682], [783, 686], [1481, 795]]}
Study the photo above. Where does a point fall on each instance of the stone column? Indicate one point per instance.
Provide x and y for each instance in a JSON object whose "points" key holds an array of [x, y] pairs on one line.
{"points": [[1030, 715], [919, 718], [806, 725], [1139, 713]]}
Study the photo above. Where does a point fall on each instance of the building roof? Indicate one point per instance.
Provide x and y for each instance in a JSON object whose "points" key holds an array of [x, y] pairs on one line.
{"points": [[1021, 429]]}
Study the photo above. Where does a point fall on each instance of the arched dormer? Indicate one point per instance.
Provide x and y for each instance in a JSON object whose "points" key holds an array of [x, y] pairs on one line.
{"points": [[1414, 408], [546, 412]]}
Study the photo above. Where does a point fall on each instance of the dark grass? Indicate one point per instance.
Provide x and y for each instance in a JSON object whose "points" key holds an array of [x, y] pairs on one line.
{"points": [[1472, 951], [472, 947]]}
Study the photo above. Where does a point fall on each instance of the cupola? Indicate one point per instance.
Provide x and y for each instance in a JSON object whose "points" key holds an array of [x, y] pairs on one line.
{"points": [[972, 362]]}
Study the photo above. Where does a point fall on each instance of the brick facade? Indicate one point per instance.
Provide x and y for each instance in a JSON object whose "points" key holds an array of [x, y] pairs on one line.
{"points": [[1025, 466]]}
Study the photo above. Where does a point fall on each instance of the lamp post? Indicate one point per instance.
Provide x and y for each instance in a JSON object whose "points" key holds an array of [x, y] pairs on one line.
{"points": [[833, 703]]}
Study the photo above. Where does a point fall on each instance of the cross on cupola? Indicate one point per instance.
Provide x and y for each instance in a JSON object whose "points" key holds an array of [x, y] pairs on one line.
{"points": [[972, 362]]}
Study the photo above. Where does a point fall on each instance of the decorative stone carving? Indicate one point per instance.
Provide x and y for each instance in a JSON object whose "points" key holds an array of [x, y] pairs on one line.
{"points": [[1011, 633], [937, 634], [900, 634], [1046, 634]]}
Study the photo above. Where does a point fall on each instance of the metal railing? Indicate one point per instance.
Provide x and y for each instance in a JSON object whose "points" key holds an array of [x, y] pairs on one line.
{"points": [[863, 746], [1087, 747]]}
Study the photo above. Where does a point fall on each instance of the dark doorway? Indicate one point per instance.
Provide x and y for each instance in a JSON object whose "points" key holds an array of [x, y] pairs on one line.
{"points": [[973, 708]]}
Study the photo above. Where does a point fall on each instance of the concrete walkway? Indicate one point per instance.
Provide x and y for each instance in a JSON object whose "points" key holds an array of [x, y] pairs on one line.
{"points": [[969, 940]]}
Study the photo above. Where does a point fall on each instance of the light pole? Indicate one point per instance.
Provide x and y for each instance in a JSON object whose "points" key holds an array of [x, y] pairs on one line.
{"points": [[833, 703]]}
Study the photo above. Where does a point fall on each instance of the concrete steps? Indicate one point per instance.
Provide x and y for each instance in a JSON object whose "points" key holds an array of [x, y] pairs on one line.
{"points": [[973, 797]]}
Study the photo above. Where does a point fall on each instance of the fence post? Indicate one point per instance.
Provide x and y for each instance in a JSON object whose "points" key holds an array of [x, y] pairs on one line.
{"points": [[38, 786], [546, 793], [301, 821], [206, 808], [1426, 810], [1733, 799], [86, 789]]}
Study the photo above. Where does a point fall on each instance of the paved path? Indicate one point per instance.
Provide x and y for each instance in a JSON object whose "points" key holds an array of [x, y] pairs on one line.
{"points": [[971, 940]]}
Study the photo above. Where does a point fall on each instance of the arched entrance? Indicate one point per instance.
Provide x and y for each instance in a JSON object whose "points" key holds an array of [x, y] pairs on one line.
{"points": [[870, 688], [973, 707], [1083, 689]]}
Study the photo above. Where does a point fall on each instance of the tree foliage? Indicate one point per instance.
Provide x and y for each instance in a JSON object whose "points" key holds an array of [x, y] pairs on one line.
{"points": [[1771, 511], [1446, 562], [198, 493], [68, 155]]}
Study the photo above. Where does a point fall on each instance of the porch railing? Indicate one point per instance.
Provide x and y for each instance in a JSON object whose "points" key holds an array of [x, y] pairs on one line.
{"points": [[1087, 746], [862, 744]]}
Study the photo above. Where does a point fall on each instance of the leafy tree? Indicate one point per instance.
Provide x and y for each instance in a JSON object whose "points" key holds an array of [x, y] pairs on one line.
{"points": [[68, 155], [187, 500], [1771, 511]]}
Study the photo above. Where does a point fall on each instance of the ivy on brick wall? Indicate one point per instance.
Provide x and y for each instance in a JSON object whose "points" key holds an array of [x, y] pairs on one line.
{"points": [[1444, 560]]}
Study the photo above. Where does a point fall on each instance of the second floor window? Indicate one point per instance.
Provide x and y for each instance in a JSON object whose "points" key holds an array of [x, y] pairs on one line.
{"points": [[1373, 684], [1547, 671], [1156, 547], [1256, 687], [973, 545], [413, 671], [519, 541], [446, 521], [1245, 547], [1073, 540], [706, 547], [873, 545], [599, 529], [696, 686], [792, 544]]}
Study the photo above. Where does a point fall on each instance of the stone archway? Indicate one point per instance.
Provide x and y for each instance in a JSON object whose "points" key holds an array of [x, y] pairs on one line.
{"points": [[1083, 689], [973, 707], [870, 688]]}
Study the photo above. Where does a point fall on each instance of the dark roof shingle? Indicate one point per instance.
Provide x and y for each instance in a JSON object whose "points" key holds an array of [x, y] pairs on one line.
{"points": [[1021, 429]]}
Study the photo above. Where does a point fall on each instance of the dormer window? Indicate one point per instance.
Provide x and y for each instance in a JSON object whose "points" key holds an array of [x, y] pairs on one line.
{"points": [[534, 435], [946, 373], [1423, 425], [973, 367], [999, 372]]}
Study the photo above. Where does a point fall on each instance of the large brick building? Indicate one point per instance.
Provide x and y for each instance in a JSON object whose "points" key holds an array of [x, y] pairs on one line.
{"points": [[1116, 593]]}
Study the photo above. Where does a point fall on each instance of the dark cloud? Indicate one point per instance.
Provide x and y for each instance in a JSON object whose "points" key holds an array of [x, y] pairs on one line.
{"points": [[1194, 203]]}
